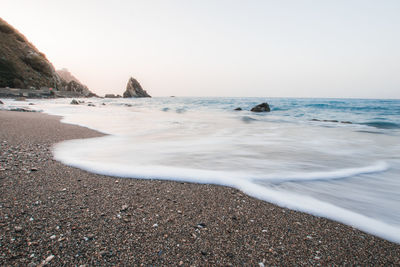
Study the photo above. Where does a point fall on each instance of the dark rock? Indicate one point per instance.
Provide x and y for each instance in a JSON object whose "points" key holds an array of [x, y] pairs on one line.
{"points": [[134, 89], [112, 96], [1, 102], [336, 121], [264, 107], [201, 225], [238, 109], [74, 102], [22, 110], [91, 105]]}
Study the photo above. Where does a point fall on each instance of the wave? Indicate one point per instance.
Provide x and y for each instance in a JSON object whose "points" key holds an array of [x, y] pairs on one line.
{"points": [[63, 153], [382, 125], [248, 119], [332, 175]]}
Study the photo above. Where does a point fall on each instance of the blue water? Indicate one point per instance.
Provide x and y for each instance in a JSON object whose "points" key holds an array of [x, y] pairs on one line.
{"points": [[336, 158], [384, 114]]}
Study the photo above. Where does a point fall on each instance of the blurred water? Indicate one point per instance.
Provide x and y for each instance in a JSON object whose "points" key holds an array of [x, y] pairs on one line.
{"points": [[338, 158]]}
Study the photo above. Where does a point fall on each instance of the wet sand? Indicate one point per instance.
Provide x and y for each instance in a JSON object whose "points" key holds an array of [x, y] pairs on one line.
{"points": [[59, 215]]}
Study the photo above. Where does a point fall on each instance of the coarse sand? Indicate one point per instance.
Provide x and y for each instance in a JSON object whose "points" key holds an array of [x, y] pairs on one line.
{"points": [[58, 215]]}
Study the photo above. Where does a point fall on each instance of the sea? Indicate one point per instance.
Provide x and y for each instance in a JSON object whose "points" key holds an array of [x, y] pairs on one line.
{"points": [[334, 158]]}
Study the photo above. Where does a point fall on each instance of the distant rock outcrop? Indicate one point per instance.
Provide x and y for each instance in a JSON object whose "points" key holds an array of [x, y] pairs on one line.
{"points": [[23, 66], [134, 89], [78, 88], [67, 76], [263, 107]]}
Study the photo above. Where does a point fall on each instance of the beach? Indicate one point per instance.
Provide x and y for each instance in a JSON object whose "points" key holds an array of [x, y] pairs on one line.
{"points": [[59, 215]]}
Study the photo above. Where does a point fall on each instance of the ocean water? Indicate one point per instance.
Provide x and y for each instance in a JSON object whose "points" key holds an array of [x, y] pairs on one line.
{"points": [[336, 158]]}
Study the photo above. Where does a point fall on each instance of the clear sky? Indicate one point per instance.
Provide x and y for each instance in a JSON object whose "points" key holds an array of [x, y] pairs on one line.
{"points": [[220, 47]]}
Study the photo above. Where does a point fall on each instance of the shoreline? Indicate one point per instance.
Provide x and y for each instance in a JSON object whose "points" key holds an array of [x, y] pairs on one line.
{"points": [[49, 209]]}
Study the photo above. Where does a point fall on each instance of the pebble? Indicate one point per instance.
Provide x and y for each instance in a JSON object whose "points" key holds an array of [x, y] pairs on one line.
{"points": [[103, 253], [18, 229], [201, 225], [48, 259], [125, 237], [53, 237]]}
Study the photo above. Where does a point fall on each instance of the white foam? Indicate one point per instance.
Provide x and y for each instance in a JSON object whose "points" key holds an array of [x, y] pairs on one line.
{"points": [[376, 167], [204, 146], [66, 153]]}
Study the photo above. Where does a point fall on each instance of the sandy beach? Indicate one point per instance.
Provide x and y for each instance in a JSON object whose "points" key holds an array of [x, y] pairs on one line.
{"points": [[58, 215]]}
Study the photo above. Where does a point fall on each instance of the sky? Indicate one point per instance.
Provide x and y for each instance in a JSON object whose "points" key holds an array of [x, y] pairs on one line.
{"points": [[298, 48]]}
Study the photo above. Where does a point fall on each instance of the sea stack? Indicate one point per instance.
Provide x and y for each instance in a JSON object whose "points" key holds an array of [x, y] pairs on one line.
{"points": [[134, 89]]}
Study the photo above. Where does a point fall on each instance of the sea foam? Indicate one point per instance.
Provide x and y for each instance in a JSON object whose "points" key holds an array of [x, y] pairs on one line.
{"points": [[344, 172]]}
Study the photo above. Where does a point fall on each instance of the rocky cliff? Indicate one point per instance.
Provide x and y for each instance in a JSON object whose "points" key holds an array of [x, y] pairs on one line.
{"points": [[72, 84], [134, 89], [23, 66], [21, 63]]}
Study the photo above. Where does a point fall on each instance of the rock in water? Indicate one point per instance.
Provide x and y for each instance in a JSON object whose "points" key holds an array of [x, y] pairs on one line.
{"points": [[74, 102], [264, 107], [112, 96], [134, 89]]}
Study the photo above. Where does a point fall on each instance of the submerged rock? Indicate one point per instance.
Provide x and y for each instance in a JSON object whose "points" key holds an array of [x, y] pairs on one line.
{"points": [[134, 89], [238, 109], [263, 107], [336, 121]]}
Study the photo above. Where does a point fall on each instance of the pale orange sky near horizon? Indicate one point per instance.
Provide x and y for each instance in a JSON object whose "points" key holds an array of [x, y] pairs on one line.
{"points": [[220, 48]]}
